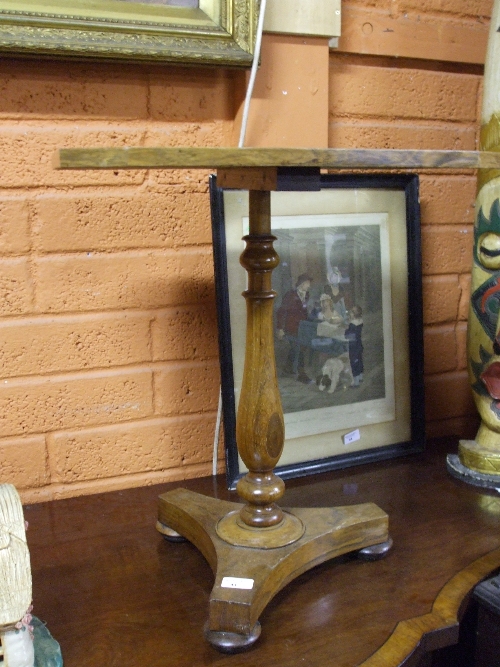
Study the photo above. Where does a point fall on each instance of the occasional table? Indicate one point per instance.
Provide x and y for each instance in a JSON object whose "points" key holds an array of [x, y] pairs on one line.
{"points": [[256, 548]]}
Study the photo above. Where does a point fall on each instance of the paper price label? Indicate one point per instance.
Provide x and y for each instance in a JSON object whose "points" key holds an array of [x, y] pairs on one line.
{"points": [[237, 582], [351, 437]]}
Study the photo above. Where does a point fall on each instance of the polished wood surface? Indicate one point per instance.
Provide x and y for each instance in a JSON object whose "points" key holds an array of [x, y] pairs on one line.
{"points": [[113, 592], [220, 158]]}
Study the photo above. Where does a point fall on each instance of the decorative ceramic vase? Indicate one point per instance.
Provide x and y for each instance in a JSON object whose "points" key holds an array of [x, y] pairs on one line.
{"points": [[15, 582], [482, 455], [18, 648]]}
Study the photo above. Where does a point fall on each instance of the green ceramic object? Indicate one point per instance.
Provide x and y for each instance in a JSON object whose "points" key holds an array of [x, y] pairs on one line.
{"points": [[47, 650]]}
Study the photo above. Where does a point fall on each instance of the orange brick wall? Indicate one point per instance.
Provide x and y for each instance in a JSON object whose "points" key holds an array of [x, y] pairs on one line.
{"points": [[108, 342], [379, 102], [109, 370]]}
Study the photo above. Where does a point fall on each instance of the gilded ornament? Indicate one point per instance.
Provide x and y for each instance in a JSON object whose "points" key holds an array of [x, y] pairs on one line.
{"points": [[223, 35]]}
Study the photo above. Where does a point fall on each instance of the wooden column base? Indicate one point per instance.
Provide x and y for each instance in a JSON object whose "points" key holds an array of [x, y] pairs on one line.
{"points": [[234, 610]]}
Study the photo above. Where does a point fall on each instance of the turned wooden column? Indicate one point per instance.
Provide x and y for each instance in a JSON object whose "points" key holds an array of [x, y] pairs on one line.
{"points": [[260, 430]]}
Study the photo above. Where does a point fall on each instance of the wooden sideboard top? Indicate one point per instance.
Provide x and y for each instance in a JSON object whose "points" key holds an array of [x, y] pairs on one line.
{"points": [[113, 592]]}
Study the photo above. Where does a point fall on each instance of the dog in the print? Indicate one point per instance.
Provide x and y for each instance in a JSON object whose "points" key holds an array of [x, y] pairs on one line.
{"points": [[331, 372]]}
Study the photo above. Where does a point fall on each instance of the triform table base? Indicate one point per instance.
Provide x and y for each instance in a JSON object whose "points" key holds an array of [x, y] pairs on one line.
{"points": [[248, 577]]}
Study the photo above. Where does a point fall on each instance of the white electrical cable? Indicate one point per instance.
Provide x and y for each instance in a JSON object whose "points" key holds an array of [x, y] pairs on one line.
{"points": [[253, 73], [241, 143], [217, 434]]}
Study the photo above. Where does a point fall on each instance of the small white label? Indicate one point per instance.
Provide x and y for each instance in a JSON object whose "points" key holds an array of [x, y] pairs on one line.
{"points": [[351, 437], [237, 582]]}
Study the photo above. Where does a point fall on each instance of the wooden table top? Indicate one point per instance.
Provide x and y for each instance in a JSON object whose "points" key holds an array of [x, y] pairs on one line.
{"points": [[222, 158], [113, 592]]}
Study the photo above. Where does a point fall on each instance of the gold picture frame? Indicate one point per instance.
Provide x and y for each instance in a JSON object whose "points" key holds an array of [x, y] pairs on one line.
{"points": [[217, 32]]}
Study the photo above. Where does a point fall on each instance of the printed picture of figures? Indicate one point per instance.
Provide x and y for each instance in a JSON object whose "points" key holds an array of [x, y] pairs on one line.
{"points": [[344, 335], [329, 328]]}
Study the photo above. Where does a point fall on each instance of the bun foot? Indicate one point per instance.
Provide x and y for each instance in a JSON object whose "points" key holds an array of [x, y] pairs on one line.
{"points": [[168, 533], [232, 642], [376, 551]]}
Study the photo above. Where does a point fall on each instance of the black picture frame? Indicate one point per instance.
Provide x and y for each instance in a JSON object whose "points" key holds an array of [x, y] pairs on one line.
{"points": [[375, 221]]}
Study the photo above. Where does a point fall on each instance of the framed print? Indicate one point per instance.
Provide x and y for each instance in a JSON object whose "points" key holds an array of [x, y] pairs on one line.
{"points": [[347, 317], [201, 32]]}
